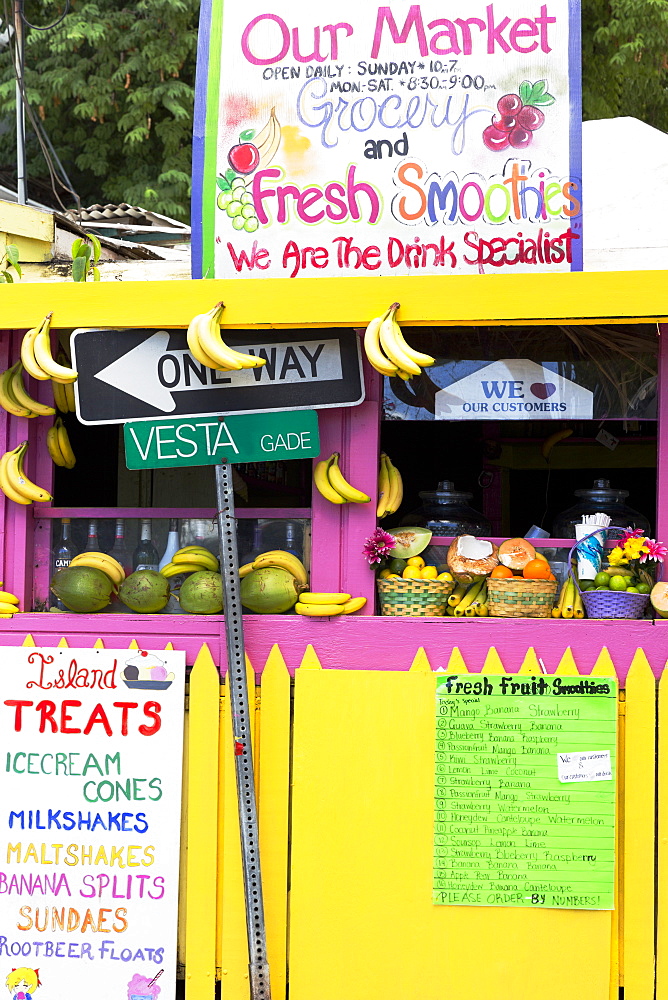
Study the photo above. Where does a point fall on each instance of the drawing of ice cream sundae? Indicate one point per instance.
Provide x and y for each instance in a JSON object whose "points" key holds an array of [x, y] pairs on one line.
{"points": [[147, 672], [139, 987]]}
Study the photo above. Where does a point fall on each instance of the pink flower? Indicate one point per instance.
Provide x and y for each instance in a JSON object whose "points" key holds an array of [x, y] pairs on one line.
{"points": [[655, 550], [635, 533], [378, 545]]}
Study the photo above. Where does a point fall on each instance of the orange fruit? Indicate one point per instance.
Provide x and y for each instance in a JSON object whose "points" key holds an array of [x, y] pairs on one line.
{"points": [[501, 573], [537, 569]]}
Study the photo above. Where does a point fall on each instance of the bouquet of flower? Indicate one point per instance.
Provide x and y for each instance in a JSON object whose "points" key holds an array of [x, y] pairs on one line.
{"points": [[634, 550]]}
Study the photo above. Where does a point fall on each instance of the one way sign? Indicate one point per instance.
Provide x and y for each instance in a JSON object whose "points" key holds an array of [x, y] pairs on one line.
{"points": [[143, 374]]}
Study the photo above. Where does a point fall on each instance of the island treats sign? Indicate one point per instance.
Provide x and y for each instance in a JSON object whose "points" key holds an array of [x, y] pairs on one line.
{"points": [[398, 139], [525, 791], [91, 754]]}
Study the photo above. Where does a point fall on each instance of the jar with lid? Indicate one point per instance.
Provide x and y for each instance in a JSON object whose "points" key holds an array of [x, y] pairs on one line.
{"points": [[446, 511], [601, 498]]}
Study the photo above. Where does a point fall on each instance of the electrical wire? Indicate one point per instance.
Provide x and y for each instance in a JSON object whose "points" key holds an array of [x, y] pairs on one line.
{"points": [[48, 26], [37, 127]]}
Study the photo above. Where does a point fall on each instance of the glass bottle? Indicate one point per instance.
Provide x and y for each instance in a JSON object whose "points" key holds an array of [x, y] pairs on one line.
{"points": [[120, 551], [63, 554], [172, 542], [92, 545], [292, 539], [145, 556]]}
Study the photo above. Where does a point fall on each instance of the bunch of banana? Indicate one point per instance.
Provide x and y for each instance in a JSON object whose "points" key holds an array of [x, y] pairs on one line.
{"points": [[208, 347], [390, 487], [15, 399], [387, 349], [569, 604], [281, 560], [13, 481], [326, 605], [190, 559], [267, 141], [58, 443], [469, 600], [330, 483], [37, 358], [9, 603], [100, 560], [63, 394]]}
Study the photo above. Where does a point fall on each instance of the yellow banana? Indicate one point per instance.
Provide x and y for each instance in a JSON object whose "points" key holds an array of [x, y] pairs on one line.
{"points": [[41, 347], [13, 480], [392, 346], [322, 483], [69, 396], [557, 610], [64, 445], [22, 397], [268, 140], [406, 376], [353, 605], [284, 560], [383, 487], [318, 610], [53, 446], [194, 345], [578, 604], [245, 570], [478, 602], [567, 609], [7, 488], [28, 351], [8, 598], [103, 561], [372, 348], [549, 442], [173, 569], [310, 598], [457, 595], [8, 399], [424, 360], [341, 485], [60, 397], [209, 339], [396, 490], [194, 548], [8, 609], [482, 611], [206, 561], [468, 598]]}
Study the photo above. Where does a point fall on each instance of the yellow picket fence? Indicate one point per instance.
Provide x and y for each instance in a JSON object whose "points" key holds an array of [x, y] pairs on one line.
{"points": [[344, 773]]}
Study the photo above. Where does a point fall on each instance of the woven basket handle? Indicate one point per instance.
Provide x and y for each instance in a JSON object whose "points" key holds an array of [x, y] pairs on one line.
{"points": [[570, 557]]}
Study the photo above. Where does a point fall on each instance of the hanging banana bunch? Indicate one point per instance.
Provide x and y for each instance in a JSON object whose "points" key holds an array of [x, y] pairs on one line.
{"points": [[208, 347], [390, 487], [387, 350]]}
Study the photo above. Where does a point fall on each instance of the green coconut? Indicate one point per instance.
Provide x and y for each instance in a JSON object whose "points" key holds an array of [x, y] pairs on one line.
{"points": [[82, 588], [145, 592], [409, 542], [202, 593], [269, 591]]}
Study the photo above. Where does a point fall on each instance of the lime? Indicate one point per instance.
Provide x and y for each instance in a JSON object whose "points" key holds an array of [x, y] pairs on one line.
{"points": [[644, 588], [587, 585], [632, 590], [602, 579], [602, 588], [618, 583]]}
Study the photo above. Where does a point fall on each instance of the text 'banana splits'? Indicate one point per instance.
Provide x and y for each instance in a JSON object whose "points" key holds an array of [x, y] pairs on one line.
{"points": [[208, 347], [387, 350], [390, 487], [330, 483]]}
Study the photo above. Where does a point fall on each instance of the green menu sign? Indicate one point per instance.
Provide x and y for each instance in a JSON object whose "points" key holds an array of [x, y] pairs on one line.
{"points": [[525, 791], [243, 437]]}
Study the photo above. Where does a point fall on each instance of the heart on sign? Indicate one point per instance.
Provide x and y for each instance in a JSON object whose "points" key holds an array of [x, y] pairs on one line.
{"points": [[543, 390]]}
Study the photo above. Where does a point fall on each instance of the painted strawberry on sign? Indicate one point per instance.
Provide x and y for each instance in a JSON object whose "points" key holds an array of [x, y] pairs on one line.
{"points": [[519, 116], [254, 151]]}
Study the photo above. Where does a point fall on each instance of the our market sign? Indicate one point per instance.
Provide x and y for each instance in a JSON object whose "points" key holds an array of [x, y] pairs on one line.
{"points": [[143, 374], [395, 139], [514, 390], [91, 747], [254, 437]]}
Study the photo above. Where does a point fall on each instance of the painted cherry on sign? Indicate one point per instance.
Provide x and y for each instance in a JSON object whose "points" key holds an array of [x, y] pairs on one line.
{"points": [[518, 118]]}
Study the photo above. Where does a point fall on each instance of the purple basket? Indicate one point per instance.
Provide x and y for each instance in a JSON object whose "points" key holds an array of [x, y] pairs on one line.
{"points": [[609, 603]]}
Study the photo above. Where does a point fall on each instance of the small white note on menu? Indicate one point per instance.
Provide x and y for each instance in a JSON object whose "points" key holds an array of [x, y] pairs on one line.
{"points": [[587, 765]]}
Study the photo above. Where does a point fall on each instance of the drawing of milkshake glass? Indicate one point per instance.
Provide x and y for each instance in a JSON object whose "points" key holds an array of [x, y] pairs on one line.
{"points": [[244, 159], [590, 549]]}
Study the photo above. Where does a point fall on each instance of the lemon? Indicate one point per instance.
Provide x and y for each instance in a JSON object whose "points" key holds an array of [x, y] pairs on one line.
{"points": [[445, 576], [384, 573], [415, 561], [618, 582], [644, 588], [429, 573], [393, 576], [412, 573]]}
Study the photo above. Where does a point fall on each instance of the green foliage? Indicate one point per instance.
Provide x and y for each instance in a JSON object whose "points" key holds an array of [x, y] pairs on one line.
{"points": [[85, 257], [114, 86], [625, 60], [10, 258]]}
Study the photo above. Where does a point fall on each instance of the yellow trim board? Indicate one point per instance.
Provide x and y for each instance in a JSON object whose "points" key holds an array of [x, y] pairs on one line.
{"points": [[451, 300]]}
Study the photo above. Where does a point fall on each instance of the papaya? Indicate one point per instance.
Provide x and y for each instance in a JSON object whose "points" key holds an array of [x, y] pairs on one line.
{"points": [[409, 542], [516, 553]]}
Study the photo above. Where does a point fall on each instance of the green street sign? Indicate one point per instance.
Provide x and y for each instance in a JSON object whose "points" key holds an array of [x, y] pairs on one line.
{"points": [[244, 437]]}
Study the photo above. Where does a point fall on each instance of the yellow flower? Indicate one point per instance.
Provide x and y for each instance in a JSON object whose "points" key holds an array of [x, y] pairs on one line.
{"points": [[633, 547], [616, 556]]}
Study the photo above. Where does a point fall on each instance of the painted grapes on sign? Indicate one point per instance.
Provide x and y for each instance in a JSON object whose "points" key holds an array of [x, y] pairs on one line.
{"points": [[388, 139]]}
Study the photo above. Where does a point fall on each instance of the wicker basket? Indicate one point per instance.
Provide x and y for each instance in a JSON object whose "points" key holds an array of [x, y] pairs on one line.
{"points": [[609, 603], [416, 598], [520, 598]]}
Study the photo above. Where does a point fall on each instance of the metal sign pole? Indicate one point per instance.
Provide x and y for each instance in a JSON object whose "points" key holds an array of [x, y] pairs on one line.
{"points": [[242, 720]]}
